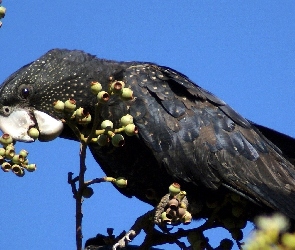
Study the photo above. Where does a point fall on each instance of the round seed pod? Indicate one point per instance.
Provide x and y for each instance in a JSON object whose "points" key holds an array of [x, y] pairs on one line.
{"points": [[87, 192], [2, 151], [118, 140], [6, 139], [85, 120], [106, 123], [18, 170], [174, 189], [9, 153], [31, 167], [34, 133], [17, 159], [102, 140], [126, 119], [121, 182], [6, 167], [59, 106], [80, 113], [70, 105], [95, 87], [24, 153], [126, 94], [131, 130], [103, 96], [117, 86], [2, 11]]}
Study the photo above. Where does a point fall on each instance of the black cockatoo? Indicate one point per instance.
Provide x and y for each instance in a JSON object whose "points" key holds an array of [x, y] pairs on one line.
{"points": [[185, 134]]}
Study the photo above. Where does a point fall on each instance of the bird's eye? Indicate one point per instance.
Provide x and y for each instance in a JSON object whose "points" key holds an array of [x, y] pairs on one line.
{"points": [[25, 91]]}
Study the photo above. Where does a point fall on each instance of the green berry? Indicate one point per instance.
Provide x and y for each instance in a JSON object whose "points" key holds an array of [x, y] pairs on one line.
{"points": [[6, 139], [31, 167], [174, 189], [126, 119], [106, 123], [102, 140], [24, 153], [118, 140], [85, 120], [131, 130], [121, 182], [288, 240], [17, 159], [2, 11], [70, 105], [18, 170], [34, 133], [2, 151], [58, 106], [9, 153], [127, 94], [117, 86], [103, 96], [95, 87]]}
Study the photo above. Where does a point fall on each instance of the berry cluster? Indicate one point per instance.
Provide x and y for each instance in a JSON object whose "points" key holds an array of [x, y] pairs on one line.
{"points": [[10, 161], [107, 133], [172, 208]]}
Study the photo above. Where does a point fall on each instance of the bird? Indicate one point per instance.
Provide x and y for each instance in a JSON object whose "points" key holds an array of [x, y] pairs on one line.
{"points": [[186, 134]]}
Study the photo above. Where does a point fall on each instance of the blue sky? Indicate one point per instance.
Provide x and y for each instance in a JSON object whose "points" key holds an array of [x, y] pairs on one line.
{"points": [[242, 51]]}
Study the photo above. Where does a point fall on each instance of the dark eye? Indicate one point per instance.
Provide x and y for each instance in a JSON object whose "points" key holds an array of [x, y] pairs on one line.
{"points": [[25, 91]]}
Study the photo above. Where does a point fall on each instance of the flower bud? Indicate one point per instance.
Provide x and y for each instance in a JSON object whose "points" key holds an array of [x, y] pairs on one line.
{"points": [[121, 182], [95, 87], [102, 140], [130, 130], [127, 94], [117, 86], [126, 119], [70, 105], [103, 96], [6, 139], [118, 140], [106, 123], [34, 133], [58, 106], [6, 167]]}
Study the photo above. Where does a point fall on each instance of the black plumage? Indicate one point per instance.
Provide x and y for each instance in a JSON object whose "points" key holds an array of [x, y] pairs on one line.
{"points": [[186, 134]]}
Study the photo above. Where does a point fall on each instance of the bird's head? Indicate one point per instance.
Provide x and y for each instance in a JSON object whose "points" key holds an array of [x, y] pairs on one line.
{"points": [[27, 96]]}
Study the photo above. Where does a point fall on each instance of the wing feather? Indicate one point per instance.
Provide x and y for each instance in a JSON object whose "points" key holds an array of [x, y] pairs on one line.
{"points": [[198, 138]]}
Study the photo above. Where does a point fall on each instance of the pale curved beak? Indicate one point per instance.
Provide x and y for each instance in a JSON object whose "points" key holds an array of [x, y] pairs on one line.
{"points": [[20, 121]]}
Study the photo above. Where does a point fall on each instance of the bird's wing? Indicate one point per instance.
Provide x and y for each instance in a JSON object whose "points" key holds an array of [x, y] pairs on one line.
{"points": [[198, 138]]}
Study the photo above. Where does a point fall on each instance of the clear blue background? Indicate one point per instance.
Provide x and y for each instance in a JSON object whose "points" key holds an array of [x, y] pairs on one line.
{"points": [[242, 51]]}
